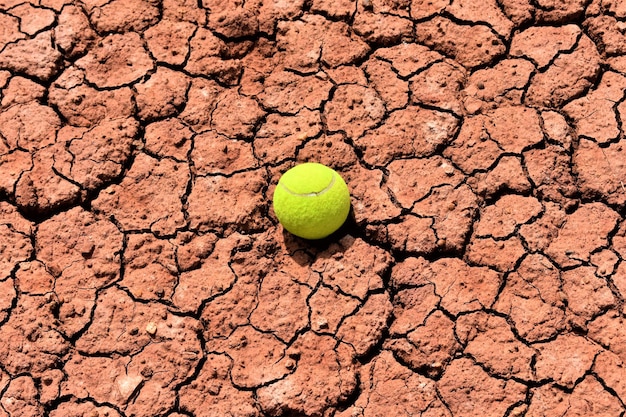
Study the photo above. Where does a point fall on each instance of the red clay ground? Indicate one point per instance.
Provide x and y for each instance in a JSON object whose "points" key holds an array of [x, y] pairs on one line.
{"points": [[482, 271]]}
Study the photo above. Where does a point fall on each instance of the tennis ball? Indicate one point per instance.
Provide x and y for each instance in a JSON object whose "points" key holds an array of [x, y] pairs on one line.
{"points": [[311, 200]]}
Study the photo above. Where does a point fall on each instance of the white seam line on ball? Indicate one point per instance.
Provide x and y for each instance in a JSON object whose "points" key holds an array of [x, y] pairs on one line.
{"points": [[328, 187]]}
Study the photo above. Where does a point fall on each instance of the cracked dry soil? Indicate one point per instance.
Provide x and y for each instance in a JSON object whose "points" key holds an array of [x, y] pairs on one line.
{"points": [[482, 271]]}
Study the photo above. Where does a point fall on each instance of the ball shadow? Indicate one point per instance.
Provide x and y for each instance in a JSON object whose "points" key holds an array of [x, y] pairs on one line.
{"points": [[293, 243]]}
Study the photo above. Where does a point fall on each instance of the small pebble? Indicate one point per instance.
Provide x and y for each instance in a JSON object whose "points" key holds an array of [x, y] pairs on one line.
{"points": [[151, 328], [447, 169]]}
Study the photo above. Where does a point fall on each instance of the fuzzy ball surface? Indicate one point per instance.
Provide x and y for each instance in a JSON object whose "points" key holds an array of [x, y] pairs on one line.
{"points": [[311, 201]]}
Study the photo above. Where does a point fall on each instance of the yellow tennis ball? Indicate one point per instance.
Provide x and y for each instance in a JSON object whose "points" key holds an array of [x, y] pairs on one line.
{"points": [[311, 200]]}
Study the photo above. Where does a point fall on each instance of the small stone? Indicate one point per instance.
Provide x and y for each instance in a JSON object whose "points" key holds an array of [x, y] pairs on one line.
{"points": [[151, 328], [448, 169]]}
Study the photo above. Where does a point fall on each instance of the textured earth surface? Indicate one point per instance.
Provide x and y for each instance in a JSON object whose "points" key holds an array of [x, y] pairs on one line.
{"points": [[482, 271]]}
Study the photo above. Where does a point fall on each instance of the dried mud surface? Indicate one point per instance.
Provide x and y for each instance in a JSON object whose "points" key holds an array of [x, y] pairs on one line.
{"points": [[482, 270]]}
